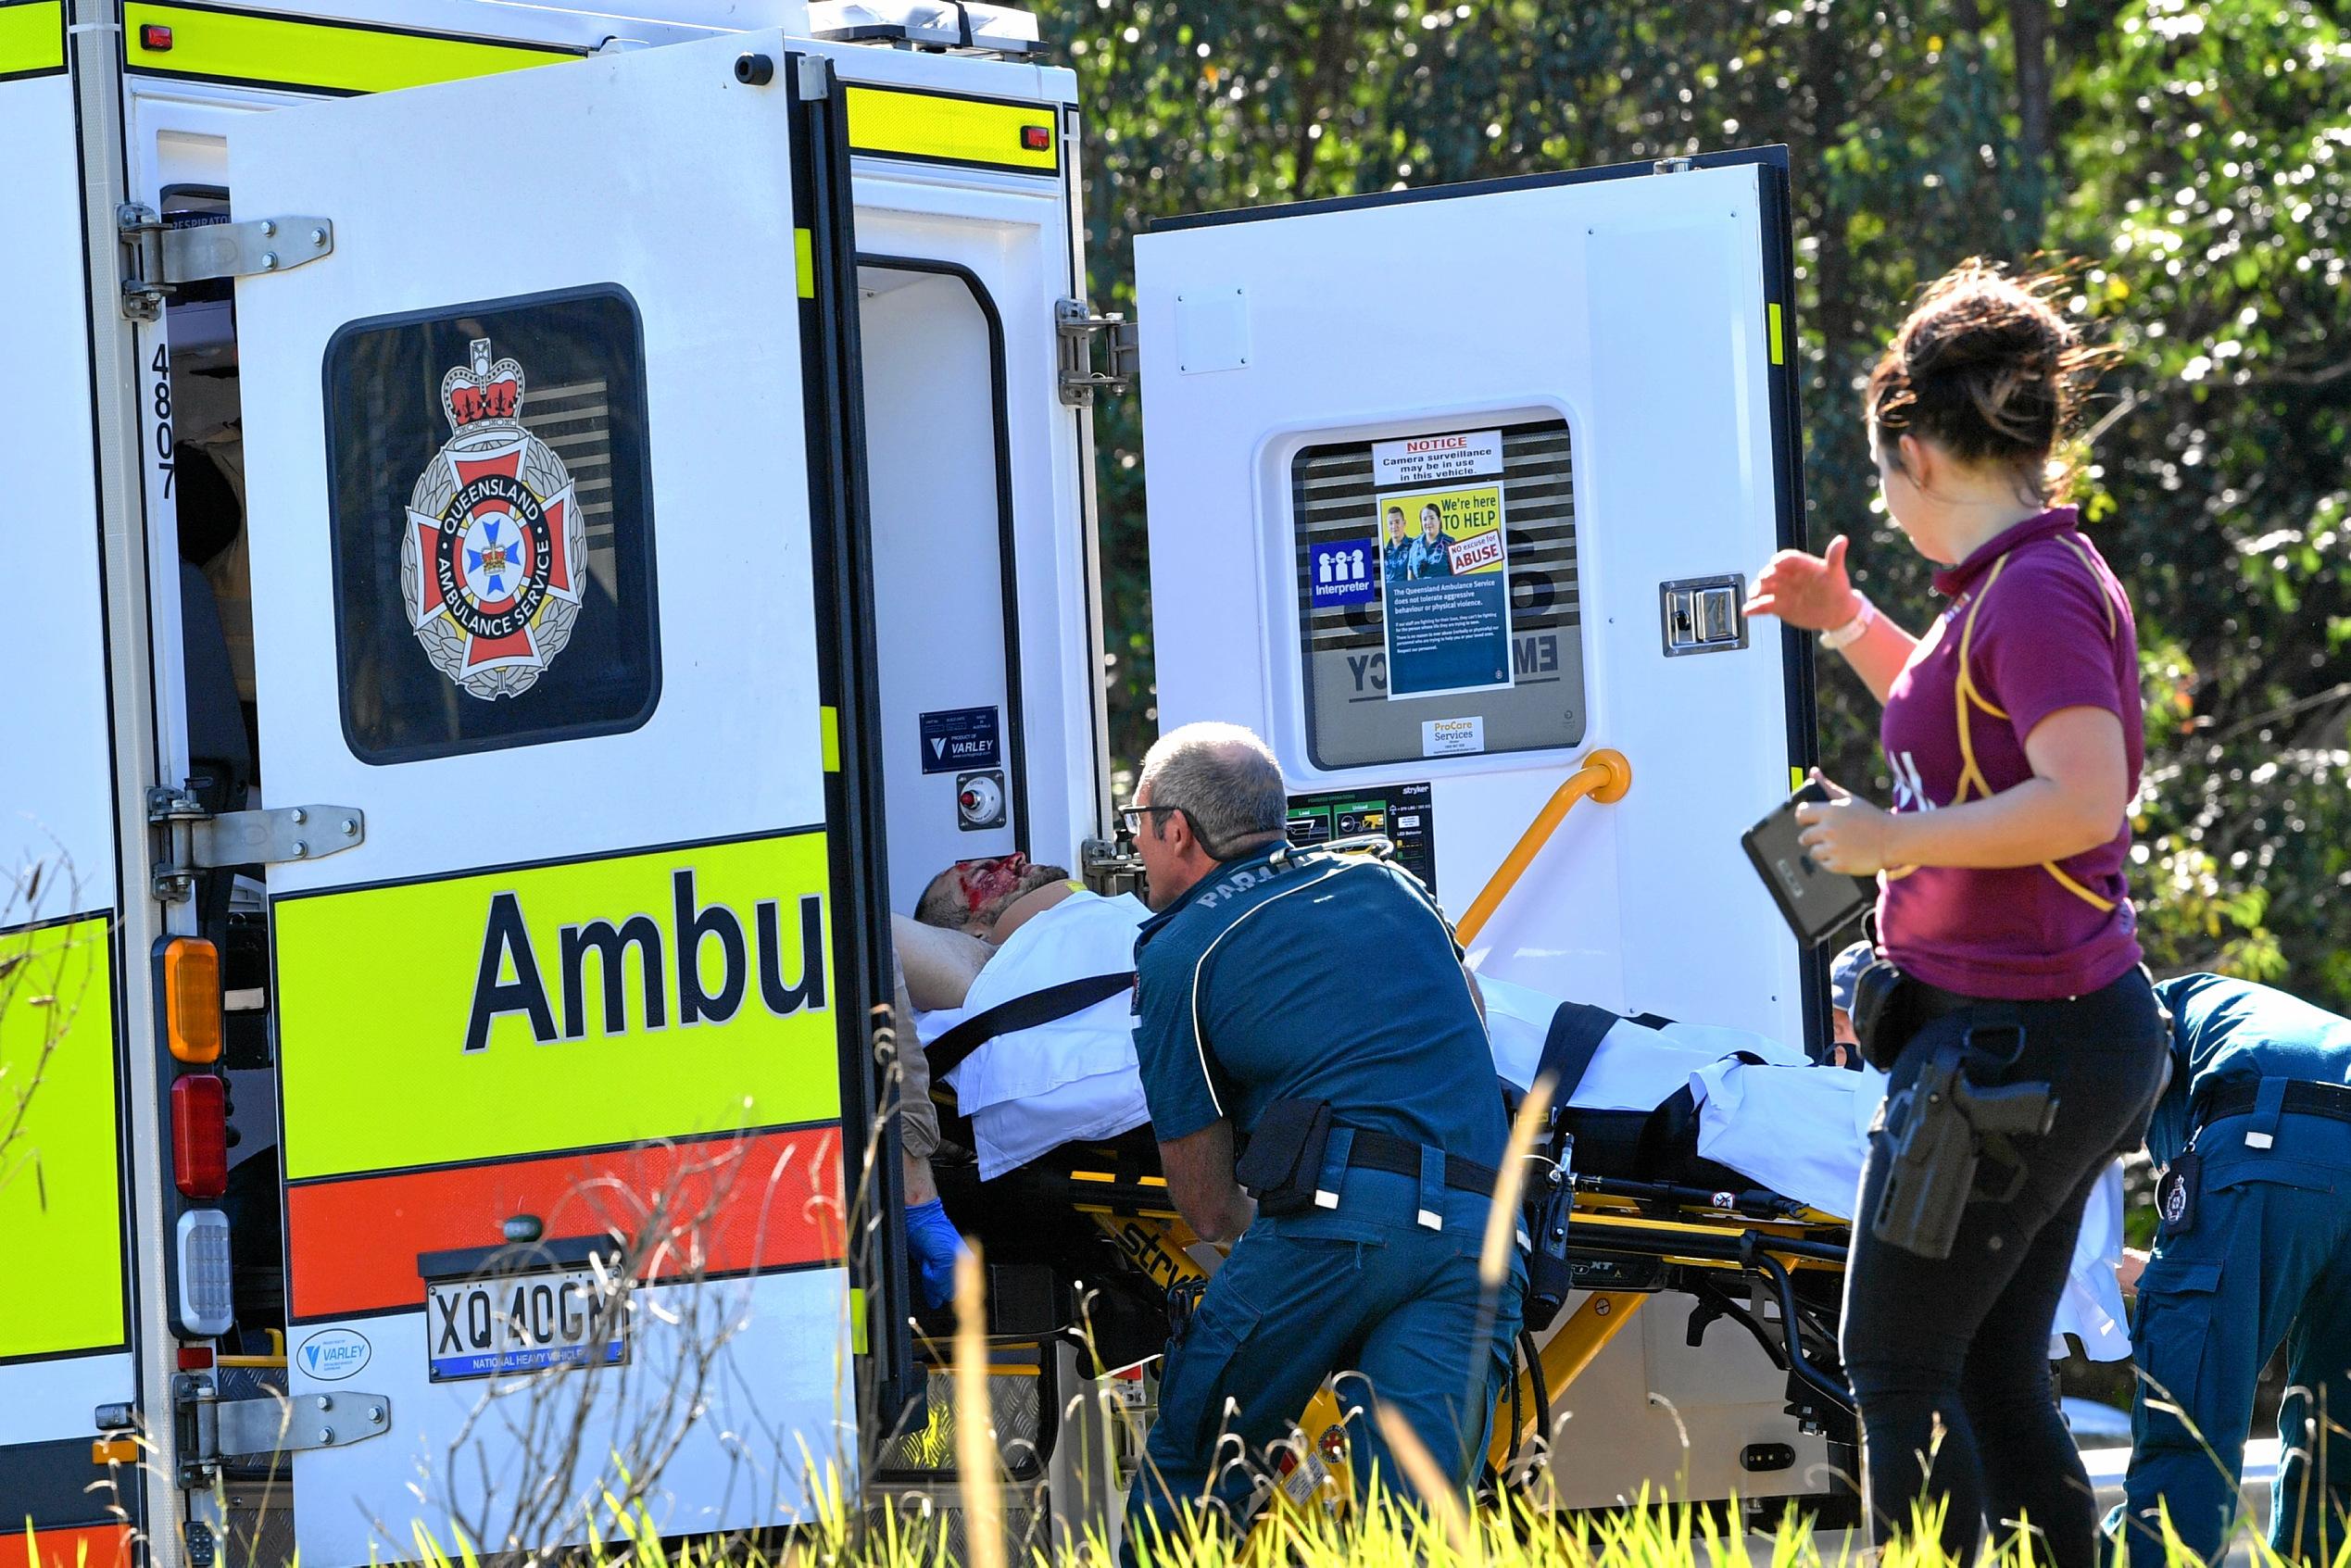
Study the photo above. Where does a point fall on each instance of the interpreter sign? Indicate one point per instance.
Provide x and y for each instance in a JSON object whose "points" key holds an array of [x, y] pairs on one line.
{"points": [[1345, 572], [1444, 564]]}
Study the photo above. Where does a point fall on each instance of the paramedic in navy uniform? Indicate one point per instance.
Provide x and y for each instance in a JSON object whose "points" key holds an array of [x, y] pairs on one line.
{"points": [[2254, 1250], [1268, 974], [2012, 730]]}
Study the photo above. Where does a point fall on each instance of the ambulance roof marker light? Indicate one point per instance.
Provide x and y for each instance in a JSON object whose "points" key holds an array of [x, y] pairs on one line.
{"points": [[192, 1000], [973, 28], [154, 37]]}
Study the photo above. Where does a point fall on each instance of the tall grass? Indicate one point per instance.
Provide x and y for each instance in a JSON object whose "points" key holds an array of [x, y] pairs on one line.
{"points": [[1384, 1534]]}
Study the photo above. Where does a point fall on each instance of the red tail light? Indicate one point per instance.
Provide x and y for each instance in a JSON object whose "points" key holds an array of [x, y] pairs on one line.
{"points": [[200, 1135]]}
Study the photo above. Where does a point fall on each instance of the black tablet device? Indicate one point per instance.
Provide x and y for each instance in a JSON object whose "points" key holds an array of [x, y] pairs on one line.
{"points": [[1816, 903]]}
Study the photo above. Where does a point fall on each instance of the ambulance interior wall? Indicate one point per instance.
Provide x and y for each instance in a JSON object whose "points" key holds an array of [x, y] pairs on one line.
{"points": [[932, 432]]}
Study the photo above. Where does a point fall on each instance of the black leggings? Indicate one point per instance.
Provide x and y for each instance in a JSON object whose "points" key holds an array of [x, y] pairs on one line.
{"points": [[1950, 1360]]}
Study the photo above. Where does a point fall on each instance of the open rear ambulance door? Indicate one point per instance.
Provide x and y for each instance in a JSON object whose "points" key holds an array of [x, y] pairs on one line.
{"points": [[1491, 465], [556, 527]]}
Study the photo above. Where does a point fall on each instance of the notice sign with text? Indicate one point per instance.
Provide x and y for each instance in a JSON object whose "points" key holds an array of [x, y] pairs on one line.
{"points": [[1444, 567], [1426, 459]]}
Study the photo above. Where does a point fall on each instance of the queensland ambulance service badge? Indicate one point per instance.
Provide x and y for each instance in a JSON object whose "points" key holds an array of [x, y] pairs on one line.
{"points": [[496, 544]]}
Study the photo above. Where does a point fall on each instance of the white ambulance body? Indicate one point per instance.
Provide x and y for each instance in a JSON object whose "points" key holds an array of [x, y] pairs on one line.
{"points": [[534, 531]]}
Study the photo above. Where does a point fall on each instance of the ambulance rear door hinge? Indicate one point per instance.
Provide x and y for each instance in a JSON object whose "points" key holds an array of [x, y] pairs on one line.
{"points": [[1076, 326], [202, 839], [158, 254], [212, 1429]]}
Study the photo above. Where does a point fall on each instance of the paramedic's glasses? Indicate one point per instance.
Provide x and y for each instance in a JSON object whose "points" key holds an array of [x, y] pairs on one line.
{"points": [[1133, 816]]}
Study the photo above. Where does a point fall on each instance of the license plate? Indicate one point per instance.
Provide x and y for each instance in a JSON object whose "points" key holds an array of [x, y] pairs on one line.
{"points": [[521, 1323]]}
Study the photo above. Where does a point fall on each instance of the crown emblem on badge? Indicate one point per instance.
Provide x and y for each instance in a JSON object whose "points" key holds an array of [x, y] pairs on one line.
{"points": [[494, 550], [484, 393]]}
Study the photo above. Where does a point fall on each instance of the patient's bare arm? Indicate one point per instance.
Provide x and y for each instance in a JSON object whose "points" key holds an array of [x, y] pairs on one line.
{"points": [[939, 965], [1200, 1178], [918, 1119]]}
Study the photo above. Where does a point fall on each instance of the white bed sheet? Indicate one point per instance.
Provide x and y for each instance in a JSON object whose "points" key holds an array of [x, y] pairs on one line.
{"points": [[1034, 1089], [1797, 1129]]}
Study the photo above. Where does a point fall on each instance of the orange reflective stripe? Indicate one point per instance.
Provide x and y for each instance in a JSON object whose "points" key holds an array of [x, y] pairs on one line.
{"points": [[85, 1546], [716, 1205]]}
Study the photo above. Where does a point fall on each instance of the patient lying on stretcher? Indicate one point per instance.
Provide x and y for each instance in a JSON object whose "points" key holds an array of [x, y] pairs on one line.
{"points": [[1760, 1109], [1073, 1079]]}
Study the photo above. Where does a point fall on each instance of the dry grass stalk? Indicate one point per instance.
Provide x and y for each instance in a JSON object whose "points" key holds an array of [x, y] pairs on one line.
{"points": [[1502, 1220], [975, 1456]]}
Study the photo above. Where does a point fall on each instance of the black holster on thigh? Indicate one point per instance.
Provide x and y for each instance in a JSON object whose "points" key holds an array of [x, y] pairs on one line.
{"points": [[1944, 1125]]}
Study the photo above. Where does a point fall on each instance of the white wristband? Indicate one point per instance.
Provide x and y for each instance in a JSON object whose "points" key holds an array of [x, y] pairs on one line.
{"points": [[1852, 631]]}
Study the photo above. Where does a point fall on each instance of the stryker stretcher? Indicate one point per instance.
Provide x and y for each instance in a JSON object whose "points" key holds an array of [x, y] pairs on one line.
{"points": [[1098, 1215], [1708, 1165]]}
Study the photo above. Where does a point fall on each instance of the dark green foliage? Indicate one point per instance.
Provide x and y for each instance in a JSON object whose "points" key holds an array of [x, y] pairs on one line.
{"points": [[2192, 162]]}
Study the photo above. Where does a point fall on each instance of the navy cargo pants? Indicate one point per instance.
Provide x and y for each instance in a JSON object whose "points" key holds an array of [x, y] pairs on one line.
{"points": [[2268, 1261], [1364, 1290]]}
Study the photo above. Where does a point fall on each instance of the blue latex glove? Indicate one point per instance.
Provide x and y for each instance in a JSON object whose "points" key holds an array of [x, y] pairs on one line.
{"points": [[931, 1238]]}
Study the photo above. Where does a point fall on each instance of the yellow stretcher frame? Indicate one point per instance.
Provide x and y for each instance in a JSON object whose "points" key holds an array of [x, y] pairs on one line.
{"points": [[1715, 1236]]}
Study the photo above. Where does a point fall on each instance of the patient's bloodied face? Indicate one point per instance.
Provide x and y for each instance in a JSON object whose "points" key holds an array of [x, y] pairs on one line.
{"points": [[970, 895]]}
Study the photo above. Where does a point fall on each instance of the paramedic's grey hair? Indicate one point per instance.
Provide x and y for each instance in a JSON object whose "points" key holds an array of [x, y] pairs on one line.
{"points": [[1223, 775]]}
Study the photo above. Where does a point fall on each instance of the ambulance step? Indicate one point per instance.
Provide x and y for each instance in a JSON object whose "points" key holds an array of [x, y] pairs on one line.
{"points": [[931, 1519], [1019, 1413]]}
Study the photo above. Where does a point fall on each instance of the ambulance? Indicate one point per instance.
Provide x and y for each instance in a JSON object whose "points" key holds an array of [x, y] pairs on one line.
{"points": [[532, 532]]}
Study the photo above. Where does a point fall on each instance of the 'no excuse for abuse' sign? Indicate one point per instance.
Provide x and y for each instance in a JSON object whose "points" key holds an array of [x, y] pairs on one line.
{"points": [[1444, 562]]}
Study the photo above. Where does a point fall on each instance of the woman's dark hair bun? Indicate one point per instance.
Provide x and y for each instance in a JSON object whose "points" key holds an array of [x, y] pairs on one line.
{"points": [[1986, 367]]}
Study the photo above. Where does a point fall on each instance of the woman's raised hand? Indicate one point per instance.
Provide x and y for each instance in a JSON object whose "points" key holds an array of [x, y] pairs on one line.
{"points": [[1808, 591]]}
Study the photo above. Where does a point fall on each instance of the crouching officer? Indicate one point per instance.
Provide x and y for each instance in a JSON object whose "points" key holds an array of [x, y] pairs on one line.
{"points": [[1312, 1008], [2252, 1248]]}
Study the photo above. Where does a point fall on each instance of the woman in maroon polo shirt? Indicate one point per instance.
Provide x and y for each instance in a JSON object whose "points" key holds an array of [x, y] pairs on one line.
{"points": [[2012, 731]]}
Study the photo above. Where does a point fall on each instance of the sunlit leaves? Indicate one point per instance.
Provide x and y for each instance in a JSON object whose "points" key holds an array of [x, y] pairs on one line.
{"points": [[2199, 166]]}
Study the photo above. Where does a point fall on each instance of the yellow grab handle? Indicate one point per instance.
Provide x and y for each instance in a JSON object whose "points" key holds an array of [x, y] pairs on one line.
{"points": [[1604, 775]]}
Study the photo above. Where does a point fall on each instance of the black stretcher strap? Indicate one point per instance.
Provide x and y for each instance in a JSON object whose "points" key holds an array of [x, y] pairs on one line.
{"points": [[2331, 1100], [1384, 1151], [1573, 1039], [1048, 1006]]}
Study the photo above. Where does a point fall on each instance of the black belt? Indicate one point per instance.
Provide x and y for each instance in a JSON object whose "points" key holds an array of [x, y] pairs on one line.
{"points": [[1933, 1001], [2331, 1100], [1381, 1151]]}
